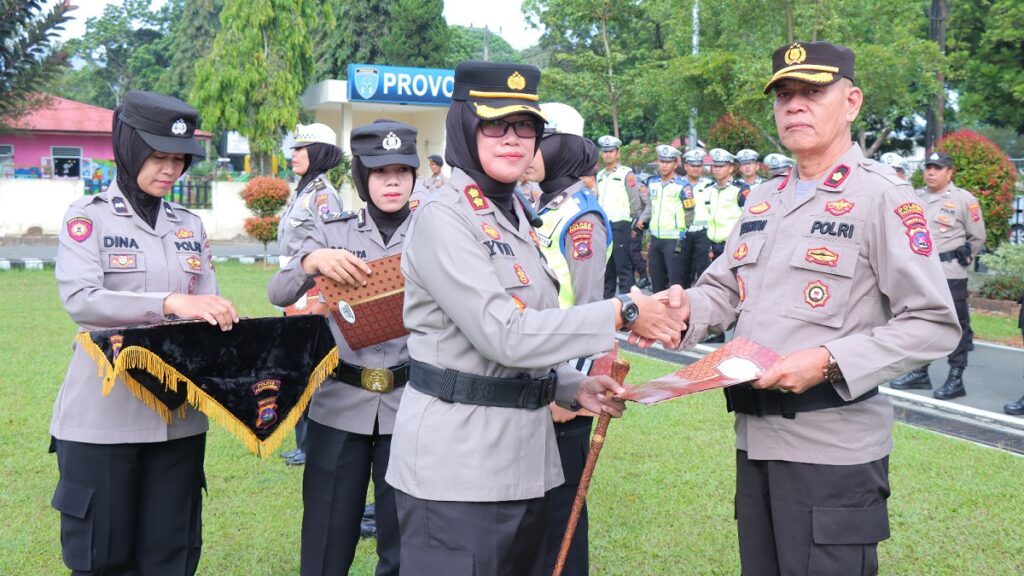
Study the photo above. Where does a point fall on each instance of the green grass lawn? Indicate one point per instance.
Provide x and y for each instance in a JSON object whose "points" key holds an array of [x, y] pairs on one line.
{"points": [[661, 502], [996, 328]]}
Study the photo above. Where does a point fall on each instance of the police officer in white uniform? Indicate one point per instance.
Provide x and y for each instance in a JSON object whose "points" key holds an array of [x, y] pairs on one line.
{"points": [[130, 487], [474, 451], [352, 414], [695, 244]]}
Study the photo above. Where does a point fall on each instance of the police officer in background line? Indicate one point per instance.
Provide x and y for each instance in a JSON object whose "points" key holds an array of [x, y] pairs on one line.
{"points": [[958, 232], [636, 239], [747, 159], [778, 164], [618, 192], [130, 490], [897, 162], [435, 180], [844, 309], [695, 246], [668, 222], [724, 200]]}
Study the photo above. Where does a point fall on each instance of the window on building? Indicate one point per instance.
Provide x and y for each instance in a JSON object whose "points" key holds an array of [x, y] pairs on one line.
{"points": [[67, 161], [6, 160]]}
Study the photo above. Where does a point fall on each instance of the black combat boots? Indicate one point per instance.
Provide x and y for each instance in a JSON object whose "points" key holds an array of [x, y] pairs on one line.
{"points": [[954, 386], [1016, 408], [916, 379]]}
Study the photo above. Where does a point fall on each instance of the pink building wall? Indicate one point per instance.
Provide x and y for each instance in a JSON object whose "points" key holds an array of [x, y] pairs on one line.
{"points": [[29, 150]]}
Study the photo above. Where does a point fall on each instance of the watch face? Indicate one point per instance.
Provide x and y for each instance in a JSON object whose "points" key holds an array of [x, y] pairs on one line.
{"points": [[630, 312]]}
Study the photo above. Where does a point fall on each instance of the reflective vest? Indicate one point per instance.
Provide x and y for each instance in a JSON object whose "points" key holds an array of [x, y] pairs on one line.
{"points": [[695, 204], [667, 218], [558, 215], [723, 210], [612, 194]]}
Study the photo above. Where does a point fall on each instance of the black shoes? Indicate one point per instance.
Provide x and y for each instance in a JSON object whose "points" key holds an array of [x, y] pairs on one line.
{"points": [[368, 525], [1016, 408], [916, 379], [954, 386], [644, 284], [297, 458]]}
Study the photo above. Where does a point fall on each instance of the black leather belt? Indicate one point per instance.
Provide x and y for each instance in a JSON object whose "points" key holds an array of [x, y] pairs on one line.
{"points": [[947, 256], [381, 380], [746, 400], [464, 388]]}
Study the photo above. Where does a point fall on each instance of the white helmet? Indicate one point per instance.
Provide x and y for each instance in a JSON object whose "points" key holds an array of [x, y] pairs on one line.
{"points": [[562, 118]]}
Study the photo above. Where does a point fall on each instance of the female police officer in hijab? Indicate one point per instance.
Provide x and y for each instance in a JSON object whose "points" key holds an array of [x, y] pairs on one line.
{"points": [[130, 484], [353, 412], [473, 450]]}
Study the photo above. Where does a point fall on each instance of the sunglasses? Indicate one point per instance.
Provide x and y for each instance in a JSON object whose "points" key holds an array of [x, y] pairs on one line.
{"points": [[498, 128]]}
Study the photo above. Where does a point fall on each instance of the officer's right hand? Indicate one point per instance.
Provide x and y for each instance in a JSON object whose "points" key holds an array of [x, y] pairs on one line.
{"points": [[678, 303], [210, 307], [338, 265], [657, 321]]}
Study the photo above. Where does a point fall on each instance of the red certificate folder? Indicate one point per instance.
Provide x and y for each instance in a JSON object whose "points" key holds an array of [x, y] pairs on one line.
{"points": [[739, 361], [370, 314]]}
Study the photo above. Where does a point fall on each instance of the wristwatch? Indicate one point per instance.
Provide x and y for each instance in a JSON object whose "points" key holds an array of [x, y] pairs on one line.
{"points": [[630, 311], [832, 374]]}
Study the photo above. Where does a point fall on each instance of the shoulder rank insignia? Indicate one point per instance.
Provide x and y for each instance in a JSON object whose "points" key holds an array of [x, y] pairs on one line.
{"points": [[120, 206], [318, 184], [476, 198], [79, 228], [839, 207], [836, 178], [338, 217], [413, 205], [170, 212], [760, 208]]}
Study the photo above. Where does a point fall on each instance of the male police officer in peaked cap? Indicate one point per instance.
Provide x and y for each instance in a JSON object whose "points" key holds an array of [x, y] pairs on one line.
{"points": [[778, 164], [832, 268], [958, 230], [897, 162], [618, 192], [747, 159]]}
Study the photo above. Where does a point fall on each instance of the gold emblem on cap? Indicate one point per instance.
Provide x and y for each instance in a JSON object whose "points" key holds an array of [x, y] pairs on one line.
{"points": [[516, 81], [795, 55]]}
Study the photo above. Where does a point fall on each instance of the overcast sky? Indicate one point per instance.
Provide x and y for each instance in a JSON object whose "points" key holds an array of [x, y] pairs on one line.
{"points": [[504, 18]]}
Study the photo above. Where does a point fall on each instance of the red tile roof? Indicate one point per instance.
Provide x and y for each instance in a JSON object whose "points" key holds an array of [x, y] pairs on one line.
{"points": [[63, 115]]}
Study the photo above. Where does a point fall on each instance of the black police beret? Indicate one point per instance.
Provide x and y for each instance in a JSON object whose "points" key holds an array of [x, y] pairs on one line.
{"points": [[496, 89], [819, 63], [385, 142], [165, 123]]}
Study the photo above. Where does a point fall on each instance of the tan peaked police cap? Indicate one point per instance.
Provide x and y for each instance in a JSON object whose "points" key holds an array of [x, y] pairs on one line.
{"points": [[820, 63], [496, 89]]}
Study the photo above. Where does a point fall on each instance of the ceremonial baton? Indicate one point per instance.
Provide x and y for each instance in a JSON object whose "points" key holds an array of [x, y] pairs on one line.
{"points": [[620, 367]]}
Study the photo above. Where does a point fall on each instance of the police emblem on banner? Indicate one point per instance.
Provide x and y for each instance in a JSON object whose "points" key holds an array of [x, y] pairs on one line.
{"points": [[367, 79]]}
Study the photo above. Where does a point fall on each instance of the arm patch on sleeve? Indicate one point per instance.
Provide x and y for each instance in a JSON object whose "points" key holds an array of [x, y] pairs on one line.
{"points": [[581, 236]]}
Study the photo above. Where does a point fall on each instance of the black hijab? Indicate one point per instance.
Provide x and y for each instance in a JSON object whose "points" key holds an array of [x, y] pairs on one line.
{"points": [[130, 153], [460, 151], [387, 222], [322, 157], [566, 158]]}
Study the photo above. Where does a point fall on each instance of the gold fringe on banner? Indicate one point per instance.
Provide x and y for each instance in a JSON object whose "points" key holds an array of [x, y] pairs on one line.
{"points": [[136, 357]]}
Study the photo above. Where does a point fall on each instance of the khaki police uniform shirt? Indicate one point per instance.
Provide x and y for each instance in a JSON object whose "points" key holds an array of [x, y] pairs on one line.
{"points": [[432, 182], [480, 299], [849, 267], [114, 271], [337, 404], [954, 218], [316, 200]]}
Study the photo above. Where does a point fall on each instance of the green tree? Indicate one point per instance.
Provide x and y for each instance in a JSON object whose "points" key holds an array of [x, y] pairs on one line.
{"points": [[734, 134], [28, 59], [418, 35], [468, 44], [352, 33], [262, 60], [190, 40]]}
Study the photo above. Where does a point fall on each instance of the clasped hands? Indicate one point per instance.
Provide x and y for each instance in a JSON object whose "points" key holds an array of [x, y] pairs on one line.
{"points": [[663, 317]]}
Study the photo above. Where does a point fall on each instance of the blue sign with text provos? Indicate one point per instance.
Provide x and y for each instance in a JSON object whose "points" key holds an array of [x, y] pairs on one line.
{"points": [[398, 85]]}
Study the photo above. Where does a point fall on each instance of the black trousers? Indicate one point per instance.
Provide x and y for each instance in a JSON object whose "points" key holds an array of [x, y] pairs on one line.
{"points": [[573, 445], [636, 257], [958, 289], [334, 482], [810, 519], [128, 509], [300, 431], [694, 258], [665, 265], [618, 275], [471, 538], [716, 250]]}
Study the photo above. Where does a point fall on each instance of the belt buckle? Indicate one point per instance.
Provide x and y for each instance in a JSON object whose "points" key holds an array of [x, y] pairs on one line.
{"points": [[379, 380]]}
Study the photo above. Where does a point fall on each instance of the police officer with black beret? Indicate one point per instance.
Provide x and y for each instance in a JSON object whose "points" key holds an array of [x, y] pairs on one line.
{"points": [[130, 486]]}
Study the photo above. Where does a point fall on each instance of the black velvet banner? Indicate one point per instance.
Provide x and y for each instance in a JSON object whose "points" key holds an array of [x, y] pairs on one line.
{"points": [[255, 379]]}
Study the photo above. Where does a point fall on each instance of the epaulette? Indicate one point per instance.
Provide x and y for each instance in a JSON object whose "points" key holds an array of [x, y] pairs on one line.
{"points": [[338, 216], [881, 169], [319, 185], [168, 205]]}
